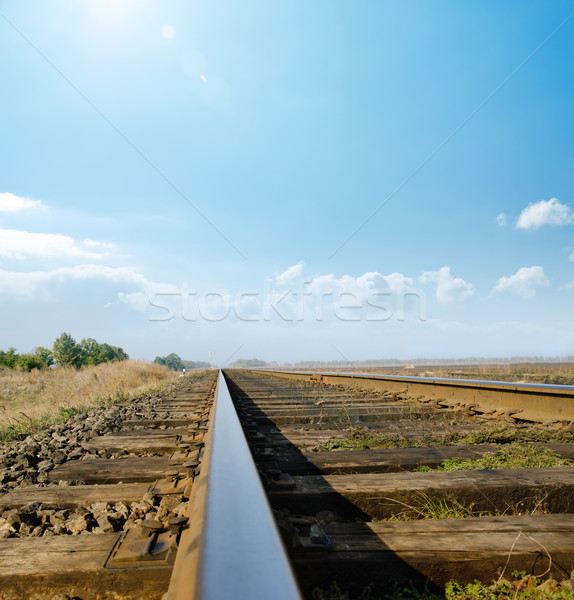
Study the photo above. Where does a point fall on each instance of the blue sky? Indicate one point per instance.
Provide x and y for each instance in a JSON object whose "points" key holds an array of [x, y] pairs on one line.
{"points": [[288, 180]]}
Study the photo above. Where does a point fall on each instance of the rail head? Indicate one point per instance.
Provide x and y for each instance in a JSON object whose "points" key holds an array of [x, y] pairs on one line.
{"points": [[543, 388], [233, 548]]}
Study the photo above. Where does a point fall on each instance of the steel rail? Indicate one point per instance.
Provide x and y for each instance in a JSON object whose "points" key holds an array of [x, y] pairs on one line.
{"points": [[524, 401], [232, 548]]}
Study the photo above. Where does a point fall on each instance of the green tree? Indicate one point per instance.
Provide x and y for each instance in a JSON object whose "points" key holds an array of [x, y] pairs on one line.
{"points": [[8, 359], [45, 355], [119, 353], [27, 362], [173, 361], [88, 352], [91, 352], [66, 352], [107, 353]]}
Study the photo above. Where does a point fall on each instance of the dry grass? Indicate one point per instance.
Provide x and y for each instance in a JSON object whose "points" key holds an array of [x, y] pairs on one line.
{"points": [[31, 401]]}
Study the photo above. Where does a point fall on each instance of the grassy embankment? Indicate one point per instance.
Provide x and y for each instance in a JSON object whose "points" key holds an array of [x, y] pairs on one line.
{"points": [[30, 401]]}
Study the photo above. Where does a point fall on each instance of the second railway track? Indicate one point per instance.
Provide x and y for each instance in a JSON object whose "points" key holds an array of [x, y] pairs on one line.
{"points": [[226, 487]]}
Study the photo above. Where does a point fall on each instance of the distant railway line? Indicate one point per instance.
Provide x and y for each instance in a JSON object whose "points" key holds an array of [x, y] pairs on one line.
{"points": [[227, 489]]}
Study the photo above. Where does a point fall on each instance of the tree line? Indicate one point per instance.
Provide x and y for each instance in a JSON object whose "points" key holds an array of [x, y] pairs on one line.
{"points": [[246, 363], [65, 352], [175, 363]]}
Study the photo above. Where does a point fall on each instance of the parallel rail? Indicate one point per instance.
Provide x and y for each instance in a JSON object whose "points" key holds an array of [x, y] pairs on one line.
{"points": [[522, 401]]}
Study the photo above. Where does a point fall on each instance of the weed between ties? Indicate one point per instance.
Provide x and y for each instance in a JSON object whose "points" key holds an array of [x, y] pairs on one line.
{"points": [[519, 586], [363, 438], [515, 456]]}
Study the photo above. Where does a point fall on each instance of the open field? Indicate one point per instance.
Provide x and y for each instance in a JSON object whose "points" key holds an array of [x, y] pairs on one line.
{"points": [[32, 400]]}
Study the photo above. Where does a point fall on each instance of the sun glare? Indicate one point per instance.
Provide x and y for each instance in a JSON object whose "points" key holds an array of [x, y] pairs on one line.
{"points": [[112, 12]]}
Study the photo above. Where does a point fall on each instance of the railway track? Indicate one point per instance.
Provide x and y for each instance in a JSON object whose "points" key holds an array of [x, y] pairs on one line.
{"points": [[225, 488]]}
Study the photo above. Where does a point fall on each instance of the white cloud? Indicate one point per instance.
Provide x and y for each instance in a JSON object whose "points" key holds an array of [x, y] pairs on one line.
{"points": [[522, 282], [26, 284], [368, 297], [289, 274], [501, 220], [30, 284], [137, 300], [115, 274], [571, 257], [95, 244], [371, 296], [545, 212], [11, 203], [399, 283], [449, 289], [20, 244], [362, 286]]}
